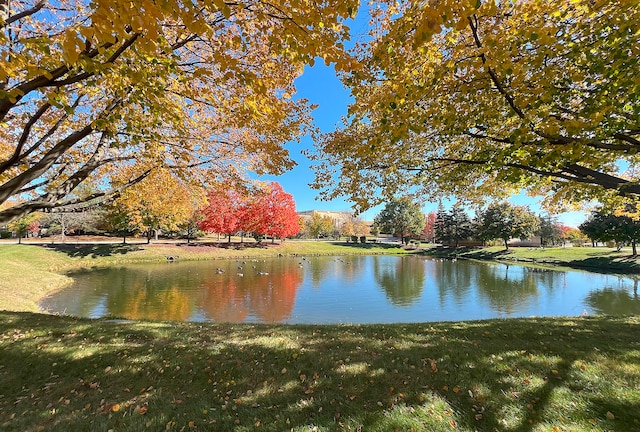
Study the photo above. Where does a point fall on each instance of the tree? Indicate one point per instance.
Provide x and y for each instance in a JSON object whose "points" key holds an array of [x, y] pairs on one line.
{"points": [[481, 98], [272, 213], [453, 226], [160, 202], [550, 231], [201, 88], [401, 217], [191, 225], [604, 226], [120, 221], [574, 235], [319, 226], [354, 227], [428, 232], [223, 211], [24, 225], [505, 221], [348, 229]]}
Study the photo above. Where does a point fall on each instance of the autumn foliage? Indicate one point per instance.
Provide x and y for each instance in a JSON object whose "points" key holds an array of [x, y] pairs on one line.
{"points": [[266, 210], [204, 89], [482, 98]]}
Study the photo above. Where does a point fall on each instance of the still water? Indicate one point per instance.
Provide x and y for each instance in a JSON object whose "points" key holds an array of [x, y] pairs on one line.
{"points": [[323, 290]]}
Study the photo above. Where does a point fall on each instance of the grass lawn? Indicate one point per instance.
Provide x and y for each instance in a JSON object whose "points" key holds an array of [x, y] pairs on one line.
{"points": [[65, 374], [68, 374]]}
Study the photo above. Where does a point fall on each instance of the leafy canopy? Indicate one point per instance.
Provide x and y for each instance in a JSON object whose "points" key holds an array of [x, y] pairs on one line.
{"points": [[200, 88], [401, 217], [505, 221], [477, 99]]}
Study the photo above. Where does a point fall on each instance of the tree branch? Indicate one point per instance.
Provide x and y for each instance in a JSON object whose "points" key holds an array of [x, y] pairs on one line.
{"points": [[25, 13]]}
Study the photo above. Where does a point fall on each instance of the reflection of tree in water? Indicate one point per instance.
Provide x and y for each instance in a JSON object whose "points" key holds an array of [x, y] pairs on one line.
{"points": [[143, 293], [403, 282], [612, 301], [345, 267], [508, 288], [453, 278], [547, 278], [228, 297], [266, 291]]}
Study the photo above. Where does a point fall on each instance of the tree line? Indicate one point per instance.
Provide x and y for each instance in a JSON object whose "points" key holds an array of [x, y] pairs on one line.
{"points": [[150, 207], [497, 222]]}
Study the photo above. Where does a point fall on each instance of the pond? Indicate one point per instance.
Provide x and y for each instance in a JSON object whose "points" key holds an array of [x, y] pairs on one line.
{"points": [[331, 290]]}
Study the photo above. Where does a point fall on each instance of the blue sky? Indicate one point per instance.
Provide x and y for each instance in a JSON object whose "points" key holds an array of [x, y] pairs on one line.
{"points": [[320, 85]]}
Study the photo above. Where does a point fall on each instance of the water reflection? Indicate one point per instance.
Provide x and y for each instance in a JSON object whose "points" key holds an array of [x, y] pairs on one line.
{"points": [[508, 288], [402, 280], [452, 280], [262, 291], [359, 289], [265, 293], [622, 299]]}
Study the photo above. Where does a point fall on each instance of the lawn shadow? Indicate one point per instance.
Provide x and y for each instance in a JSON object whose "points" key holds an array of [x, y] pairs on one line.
{"points": [[466, 252], [603, 264], [93, 250], [488, 375]]}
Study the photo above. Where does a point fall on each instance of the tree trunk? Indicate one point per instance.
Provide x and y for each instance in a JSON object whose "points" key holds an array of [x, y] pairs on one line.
{"points": [[19, 239], [229, 238], [506, 245], [63, 228], [633, 248], [124, 239]]}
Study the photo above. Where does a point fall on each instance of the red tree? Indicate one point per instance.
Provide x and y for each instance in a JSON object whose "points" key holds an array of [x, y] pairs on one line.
{"points": [[272, 213], [428, 232], [223, 213]]}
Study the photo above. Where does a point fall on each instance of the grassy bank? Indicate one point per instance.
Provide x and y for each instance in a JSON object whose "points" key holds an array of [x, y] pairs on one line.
{"points": [[61, 374], [29, 272], [598, 259]]}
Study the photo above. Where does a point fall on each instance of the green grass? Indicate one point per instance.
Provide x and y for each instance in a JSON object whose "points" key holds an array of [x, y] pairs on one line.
{"points": [[61, 374]]}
